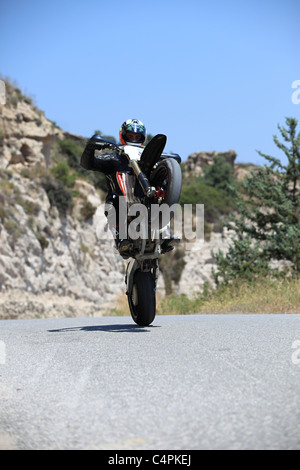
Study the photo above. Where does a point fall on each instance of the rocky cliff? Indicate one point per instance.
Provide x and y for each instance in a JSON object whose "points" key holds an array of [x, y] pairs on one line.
{"points": [[50, 263], [197, 160]]}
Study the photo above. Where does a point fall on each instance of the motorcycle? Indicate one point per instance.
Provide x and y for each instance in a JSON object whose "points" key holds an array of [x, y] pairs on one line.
{"points": [[159, 179]]}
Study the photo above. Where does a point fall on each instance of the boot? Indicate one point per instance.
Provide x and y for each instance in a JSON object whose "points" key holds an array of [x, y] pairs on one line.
{"points": [[169, 244], [124, 247]]}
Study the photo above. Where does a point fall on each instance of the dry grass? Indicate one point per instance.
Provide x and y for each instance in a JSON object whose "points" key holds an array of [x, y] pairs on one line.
{"points": [[261, 296]]}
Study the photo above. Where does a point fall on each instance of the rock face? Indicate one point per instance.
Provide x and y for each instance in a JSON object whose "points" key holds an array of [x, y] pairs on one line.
{"points": [[41, 252], [50, 254], [27, 136], [199, 263], [196, 161]]}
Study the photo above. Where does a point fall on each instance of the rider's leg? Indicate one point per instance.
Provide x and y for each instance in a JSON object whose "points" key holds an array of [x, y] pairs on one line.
{"points": [[116, 213], [111, 212]]}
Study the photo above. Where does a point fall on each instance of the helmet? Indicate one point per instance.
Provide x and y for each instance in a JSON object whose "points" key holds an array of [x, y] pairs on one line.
{"points": [[133, 132]]}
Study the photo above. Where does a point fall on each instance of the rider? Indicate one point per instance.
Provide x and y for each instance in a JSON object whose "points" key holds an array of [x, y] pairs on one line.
{"points": [[132, 132]]}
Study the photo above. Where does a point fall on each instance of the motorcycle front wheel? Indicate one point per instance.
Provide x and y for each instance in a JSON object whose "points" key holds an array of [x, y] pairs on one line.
{"points": [[142, 299], [167, 179]]}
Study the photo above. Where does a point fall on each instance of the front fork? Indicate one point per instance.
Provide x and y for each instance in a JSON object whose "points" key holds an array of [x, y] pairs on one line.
{"points": [[148, 190], [145, 265]]}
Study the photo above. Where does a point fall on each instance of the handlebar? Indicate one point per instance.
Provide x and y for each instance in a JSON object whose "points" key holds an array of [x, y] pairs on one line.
{"points": [[100, 144]]}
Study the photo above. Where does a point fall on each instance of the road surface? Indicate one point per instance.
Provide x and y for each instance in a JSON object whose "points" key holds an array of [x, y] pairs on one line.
{"points": [[187, 382]]}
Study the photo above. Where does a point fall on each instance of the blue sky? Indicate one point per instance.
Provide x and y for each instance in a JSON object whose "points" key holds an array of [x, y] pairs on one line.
{"points": [[211, 75]]}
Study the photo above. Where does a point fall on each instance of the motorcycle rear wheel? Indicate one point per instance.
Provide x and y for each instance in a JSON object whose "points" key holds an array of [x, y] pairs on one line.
{"points": [[142, 299]]}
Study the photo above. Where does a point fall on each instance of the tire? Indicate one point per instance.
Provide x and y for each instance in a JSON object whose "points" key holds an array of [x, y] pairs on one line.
{"points": [[142, 300], [167, 178]]}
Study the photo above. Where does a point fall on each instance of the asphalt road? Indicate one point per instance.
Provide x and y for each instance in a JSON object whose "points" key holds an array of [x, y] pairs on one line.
{"points": [[187, 382]]}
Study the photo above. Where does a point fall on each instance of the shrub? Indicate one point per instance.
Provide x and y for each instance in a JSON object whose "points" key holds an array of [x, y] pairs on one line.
{"points": [[3, 213], [62, 173], [171, 267], [217, 203], [42, 239], [220, 174], [14, 230], [2, 135], [87, 210], [73, 152], [59, 196]]}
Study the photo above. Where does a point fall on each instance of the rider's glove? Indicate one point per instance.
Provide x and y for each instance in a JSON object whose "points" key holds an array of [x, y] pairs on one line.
{"points": [[96, 143]]}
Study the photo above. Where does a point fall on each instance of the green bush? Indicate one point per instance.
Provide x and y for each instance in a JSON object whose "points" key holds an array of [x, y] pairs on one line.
{"points": [[214, 190], [62, 173], [217, 202], [31, 208], [72, 152], [171, 267], [3, 213], [14, 230], [220, 174], [87, 210], [59, 196], [42, 239], [2, 135]]}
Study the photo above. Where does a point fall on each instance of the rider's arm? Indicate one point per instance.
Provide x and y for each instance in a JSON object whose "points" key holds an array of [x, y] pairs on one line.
{"points": [[88, 156], [106, 163]]}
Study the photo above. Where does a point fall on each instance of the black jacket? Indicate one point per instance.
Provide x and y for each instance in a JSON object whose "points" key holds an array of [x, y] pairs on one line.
{"points": [[107, 163]]}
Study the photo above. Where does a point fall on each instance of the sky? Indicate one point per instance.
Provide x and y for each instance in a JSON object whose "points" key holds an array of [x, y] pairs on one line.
{"points": [[211, 75]]}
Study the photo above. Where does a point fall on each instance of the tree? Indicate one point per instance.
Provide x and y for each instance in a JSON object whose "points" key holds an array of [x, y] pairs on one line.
{"points": [[267, 226], [219, 174]]}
